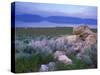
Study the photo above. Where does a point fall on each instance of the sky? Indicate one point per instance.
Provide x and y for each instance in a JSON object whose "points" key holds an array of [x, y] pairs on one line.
{"points": [[29, 14]]}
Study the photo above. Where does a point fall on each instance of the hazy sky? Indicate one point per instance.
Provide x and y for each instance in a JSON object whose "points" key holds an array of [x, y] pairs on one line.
{"points": [[41, 14]]}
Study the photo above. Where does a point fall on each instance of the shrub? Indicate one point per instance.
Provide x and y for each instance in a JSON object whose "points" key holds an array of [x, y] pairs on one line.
{"points": [[29, 50], [32, 63], [26, 64], [77, 64]]}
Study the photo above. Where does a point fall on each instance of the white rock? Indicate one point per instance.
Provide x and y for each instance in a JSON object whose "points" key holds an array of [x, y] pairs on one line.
{"points": [[64, 59], [58, 53], [43, 68]]}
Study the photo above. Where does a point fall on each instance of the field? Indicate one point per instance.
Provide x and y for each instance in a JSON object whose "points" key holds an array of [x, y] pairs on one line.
{"points": [[45, 31], [35, 47]]}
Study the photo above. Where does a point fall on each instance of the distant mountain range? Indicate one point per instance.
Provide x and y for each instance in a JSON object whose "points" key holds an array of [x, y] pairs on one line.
{"points": [[27, 14], [34, 18]]}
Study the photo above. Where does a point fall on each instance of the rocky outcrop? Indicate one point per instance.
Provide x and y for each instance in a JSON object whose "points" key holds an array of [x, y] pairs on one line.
{"points": [[83, 38], [85, 34]]}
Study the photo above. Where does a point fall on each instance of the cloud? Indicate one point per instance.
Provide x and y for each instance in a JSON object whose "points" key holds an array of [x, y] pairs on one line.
{"points": [[55, 14], [46, 9]]}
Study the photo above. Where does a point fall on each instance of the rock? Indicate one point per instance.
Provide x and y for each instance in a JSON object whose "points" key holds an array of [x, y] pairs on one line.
{"points": [[72, 39], [52, 66], [90, 39], [43, 68], [58, 53], [77, 47], [64, 59], [78, 30], [85, 34], [61, 57]]}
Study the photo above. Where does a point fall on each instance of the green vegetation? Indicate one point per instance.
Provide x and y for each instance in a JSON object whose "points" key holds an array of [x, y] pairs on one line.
{"points": [[45, 31], [77, 64], [31, 64]]}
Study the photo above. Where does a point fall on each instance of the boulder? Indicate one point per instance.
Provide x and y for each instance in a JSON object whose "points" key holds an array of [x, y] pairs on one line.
{"points": [[51, 66], [72, 39], [85, 34], [58, 53], [64, 59], [43, 68], [78, 30]]}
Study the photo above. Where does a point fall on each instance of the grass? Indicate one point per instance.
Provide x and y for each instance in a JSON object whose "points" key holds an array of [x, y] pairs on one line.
{"points": [[45, 31], [77, 64], [32, 64]]}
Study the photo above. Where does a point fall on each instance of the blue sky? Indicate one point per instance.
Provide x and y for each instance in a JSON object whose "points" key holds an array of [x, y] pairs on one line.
{"points": [[52, 15]]}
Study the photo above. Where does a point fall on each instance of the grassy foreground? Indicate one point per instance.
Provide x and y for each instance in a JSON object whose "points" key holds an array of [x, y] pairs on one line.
{"points": [[33, 62]]}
